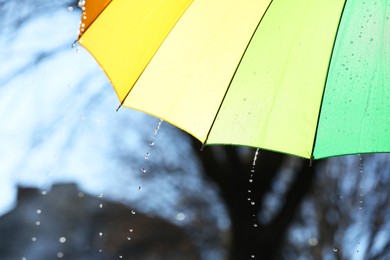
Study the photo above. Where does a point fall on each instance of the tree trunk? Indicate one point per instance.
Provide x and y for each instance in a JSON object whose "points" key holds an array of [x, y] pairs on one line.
{"points": [[231, 172]]}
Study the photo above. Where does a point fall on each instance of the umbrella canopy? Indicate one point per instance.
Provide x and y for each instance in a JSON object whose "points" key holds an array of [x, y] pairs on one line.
{"points": [[307, 77]]}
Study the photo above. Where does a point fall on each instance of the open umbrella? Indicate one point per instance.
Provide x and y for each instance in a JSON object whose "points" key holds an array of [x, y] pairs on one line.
{"points": [[307, 77]]}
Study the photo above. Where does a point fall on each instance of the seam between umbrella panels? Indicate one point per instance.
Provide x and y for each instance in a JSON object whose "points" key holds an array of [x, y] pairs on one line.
{"points": [[234, 74], [151, 58], [81, 33], [325, 83]]}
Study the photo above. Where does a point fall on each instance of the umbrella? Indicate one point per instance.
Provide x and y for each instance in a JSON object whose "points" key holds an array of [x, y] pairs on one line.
{"points": [[309, 78]]}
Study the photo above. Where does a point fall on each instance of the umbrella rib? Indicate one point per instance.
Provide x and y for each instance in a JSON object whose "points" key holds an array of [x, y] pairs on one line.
{"points": [[235, 71], [151, 58], [82, 32], [325, 83]]}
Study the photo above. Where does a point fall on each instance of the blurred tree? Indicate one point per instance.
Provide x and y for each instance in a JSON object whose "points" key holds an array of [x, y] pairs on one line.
{"points": [[346, 214], [245, 196]]}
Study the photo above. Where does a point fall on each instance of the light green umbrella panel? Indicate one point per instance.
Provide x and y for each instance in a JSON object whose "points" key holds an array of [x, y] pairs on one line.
{"points": [[309, 78]]}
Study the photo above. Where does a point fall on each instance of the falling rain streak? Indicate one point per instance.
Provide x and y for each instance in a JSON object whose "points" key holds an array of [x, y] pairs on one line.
{"points": [[151, 145], [361, 193], [250, 199]]}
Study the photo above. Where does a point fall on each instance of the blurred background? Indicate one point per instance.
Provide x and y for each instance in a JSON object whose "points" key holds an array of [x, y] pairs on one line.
{"points": [[82, 181]]}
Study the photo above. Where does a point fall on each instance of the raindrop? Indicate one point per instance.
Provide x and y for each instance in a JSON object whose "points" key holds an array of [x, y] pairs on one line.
{"points": [[81, 3], [101, 195], [101, 205], [24, 258], [143, 170], [81, 194], [255, 225], [131, 230], [313, 241], [70, 8], [33, 239], [100, 250], [100, 234], [252, 256], [38, 223], [120, 257], [335, 250], [44, 192], [62, 239], [253, 203], [139, 188], [129, 238], [60, 255], [180, 216], [39, 211], [133, 211], [250, 180], [147, 156]]}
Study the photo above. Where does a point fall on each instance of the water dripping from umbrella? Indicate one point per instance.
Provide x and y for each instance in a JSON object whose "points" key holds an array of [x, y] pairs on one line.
{"points": [[250, 199]]}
